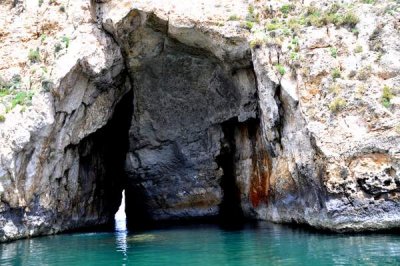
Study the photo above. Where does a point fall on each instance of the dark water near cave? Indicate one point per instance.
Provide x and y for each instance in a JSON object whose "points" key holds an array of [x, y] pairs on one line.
{"points": [[263, 244]]}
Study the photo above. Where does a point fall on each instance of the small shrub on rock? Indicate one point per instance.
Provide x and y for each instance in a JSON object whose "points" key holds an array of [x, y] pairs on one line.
{"points": [[336, 73], [387, 95], [337, 104], [34, 55]]}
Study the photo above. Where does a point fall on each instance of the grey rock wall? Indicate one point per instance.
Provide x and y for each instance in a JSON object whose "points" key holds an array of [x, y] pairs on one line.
{"points": [[174, 106], [182, 95]]}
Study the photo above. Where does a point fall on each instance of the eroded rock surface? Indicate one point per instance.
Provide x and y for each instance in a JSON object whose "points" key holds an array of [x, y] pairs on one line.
{"points": [[182, 94], [50, 177], [269, 110]]}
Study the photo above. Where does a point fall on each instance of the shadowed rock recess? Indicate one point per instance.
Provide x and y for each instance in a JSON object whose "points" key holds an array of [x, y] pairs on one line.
{"points": [[182, 97], [194, 124]]}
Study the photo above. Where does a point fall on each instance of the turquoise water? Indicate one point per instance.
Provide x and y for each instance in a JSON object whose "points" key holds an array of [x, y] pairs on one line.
{"points": [[264, 244]]}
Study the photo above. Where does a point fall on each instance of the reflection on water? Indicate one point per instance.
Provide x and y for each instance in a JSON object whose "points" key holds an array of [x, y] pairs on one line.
{"points": [[141, 238], [121, 230], [265, 244]]}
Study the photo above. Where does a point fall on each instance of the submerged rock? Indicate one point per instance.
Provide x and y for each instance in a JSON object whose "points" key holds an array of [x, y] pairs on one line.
{"points": [[198, 109]]}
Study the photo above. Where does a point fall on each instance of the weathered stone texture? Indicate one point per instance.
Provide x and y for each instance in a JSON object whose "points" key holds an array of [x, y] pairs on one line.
{"points": [[168, 100]]}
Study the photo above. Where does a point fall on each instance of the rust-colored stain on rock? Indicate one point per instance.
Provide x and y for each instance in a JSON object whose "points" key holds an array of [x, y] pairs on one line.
{"points": [[261, 173]]}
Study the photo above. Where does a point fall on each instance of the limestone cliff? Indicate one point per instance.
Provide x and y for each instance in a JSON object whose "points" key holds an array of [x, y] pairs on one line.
{"points": [[273, 110]]}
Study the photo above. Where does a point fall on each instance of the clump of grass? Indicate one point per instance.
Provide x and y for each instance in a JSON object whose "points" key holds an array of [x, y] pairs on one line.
{"points": [[336, 73], [272, 26], [286, 9], [314, 20], [21, 98], [355, 31], [392, 9], [43, 37], [349, 19], [247, 25], [251, 16], [295, 24], [387, 95], [335, 89], [330, 18], [294, 56], [40, 2], [281, 69], [2, 118], [66, 41], [256, 43], [358, 49], [15, 82], [368, 1], [34, 55], [62, 9], [360, 91], [233, 17], [318, 18], [312, 10], [313, 17], [295, 41], [7, 86], [334, 52], [364, 73], [4, 92], [250, 9], [337, 104]]}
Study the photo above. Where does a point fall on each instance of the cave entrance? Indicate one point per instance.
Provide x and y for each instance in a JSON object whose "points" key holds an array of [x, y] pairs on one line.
{"points": [[102, 175], [103, 160], [230, 210], [237, 146]]}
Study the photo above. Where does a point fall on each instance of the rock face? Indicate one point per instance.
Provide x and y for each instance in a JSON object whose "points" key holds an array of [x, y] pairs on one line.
{"points": [[182, 95], [51, 175], [199, 109], [334, 136]]}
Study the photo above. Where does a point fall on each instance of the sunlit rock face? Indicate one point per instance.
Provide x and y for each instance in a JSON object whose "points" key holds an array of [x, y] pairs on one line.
{"points": [[198, 109], [53, 172]]}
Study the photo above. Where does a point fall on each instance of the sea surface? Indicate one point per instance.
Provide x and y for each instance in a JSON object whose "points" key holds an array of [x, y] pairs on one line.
{"points": [[206, 245]]}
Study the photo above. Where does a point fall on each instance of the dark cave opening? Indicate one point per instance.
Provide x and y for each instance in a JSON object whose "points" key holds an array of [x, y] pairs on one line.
{"points": [[103, 158], [230, 216], [102, 164], [102, 161], [137, 212], [230, 212]]}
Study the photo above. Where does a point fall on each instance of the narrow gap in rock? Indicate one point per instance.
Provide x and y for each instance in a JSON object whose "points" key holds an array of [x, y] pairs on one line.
{"points": [[102, 161], [231, 212], [117, 143]]}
